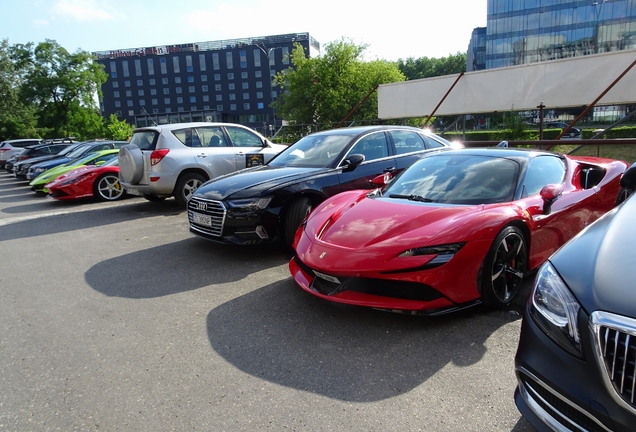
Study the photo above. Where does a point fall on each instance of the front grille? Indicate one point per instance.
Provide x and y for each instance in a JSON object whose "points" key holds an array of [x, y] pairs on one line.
{"points": [[214, 209], [615, 338], [554, 408]]}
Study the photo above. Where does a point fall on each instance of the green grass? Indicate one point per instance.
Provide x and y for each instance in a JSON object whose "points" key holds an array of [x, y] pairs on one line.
{"points": [[624, 152]]}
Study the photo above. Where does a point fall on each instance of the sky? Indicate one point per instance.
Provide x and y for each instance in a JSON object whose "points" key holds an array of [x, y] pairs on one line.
{"points": [[391, 30]]}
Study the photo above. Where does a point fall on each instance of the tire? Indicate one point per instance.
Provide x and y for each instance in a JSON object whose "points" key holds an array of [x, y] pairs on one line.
{"points": [[504, 267], [131, 164], [294, 216], [623, 194], [186, 186], [153, 198], [107, 187]]}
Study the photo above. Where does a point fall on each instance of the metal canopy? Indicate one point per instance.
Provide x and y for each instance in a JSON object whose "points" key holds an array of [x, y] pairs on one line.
{"points": [[572, 82]]}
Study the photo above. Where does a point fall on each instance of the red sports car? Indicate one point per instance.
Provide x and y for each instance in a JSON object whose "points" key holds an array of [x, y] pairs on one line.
{"points": [[455, 229], [90, 181]]}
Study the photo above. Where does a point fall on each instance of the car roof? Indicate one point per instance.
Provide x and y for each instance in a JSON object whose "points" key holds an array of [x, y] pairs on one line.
{"points": [[357, 130], [173, 126], [507, 153]]}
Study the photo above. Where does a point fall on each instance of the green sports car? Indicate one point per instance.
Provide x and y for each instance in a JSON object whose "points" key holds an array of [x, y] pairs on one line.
{"points": [[96, 158]]}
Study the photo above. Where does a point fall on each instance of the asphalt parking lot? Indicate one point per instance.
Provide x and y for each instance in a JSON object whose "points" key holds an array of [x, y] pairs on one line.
{"points": [[114, 317]]}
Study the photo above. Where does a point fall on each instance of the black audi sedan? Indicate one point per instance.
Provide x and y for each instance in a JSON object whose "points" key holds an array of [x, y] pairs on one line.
{"points": [[576, 359], [268, 202]]}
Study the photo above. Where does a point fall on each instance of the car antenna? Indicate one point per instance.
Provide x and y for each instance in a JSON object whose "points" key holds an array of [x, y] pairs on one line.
{"points": [[148, 115]]}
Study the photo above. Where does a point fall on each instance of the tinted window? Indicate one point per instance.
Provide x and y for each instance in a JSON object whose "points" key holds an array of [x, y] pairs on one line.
{"points": [[542, 171], [407, 142], [372, 146], [433, 143], [313, 151], [145, 140], [243, 138], [210, 137], [457, 179]]}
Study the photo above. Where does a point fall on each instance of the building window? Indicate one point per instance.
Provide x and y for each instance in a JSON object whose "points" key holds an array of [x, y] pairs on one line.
{"points": [[191, 89], [140, 83], [115, 84], [129, 103], [142, 102], [138, 67], [246, 106], [118, 113], [151, 67], [131, 112], [217, 87], [206, 98], [128, 93], [179, 90], [140, 92], [245, 85], [217, 77], [204, 88], [204, 78], [193, 108], [219, 107], [113, 70], [206, 107], [202, 62], [168, 110], [228, 60], [193, 99], [232, 107], [215, 61], [154, 101], [259, 84], [189, 67], [243, 58], [126, 83], [175, 64], [259, 95], [258, 74], [230, 86], [246, 96], [116, 94], [177, 80], [166, 90], [153, 92], [257, 57], [219, 98], [181, 109], [152, 81], [232, 96], [164, 81], [179, 100], [190, 79], [285, 55], [164, 68], [117, 104], [244, 75], [230, 76], [155, 110], [124, 67], [260, 105], [166, 101]]}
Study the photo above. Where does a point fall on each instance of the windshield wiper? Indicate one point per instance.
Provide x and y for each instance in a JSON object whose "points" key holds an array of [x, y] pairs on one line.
{"points": [[411, 198]]}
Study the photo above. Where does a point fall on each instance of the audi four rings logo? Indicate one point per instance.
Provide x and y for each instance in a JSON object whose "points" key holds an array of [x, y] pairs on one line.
{"points": [[202, 206]]}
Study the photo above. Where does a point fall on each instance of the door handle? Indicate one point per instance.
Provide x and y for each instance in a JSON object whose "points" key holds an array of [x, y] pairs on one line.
{"points": [[202, 155], [388, 170]]}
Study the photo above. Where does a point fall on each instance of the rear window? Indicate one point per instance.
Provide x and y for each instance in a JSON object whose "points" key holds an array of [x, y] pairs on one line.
{"points": [[145, 140]]}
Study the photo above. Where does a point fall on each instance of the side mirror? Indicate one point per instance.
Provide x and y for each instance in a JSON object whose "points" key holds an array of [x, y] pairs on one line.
{"points": [[628, 179], [550, 194], [382, 180], [350, 163]]}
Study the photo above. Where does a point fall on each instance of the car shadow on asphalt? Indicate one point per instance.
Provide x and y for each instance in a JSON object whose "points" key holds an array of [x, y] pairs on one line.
{"points": [[282, 334], [179, 267]]}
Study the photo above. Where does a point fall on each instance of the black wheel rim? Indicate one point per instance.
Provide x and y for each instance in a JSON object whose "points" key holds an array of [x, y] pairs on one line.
{"points": [[508, 267]]}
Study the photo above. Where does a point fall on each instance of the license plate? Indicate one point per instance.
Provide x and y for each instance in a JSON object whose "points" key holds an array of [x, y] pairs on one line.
{"points": [[327, 277], [201, 219]]}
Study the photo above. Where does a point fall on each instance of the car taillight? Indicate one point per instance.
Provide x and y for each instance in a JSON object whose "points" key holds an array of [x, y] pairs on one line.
{"points": [[157, 155], [2, 150]]}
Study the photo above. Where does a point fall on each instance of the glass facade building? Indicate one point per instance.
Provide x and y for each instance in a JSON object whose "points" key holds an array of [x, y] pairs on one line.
{"points": [[527, 31], [228, 81]]}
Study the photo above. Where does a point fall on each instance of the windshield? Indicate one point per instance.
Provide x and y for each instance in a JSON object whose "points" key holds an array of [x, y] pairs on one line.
{"points": [[315, 151], [78, 151], [456, 179], [69, 149], [86, 159]]}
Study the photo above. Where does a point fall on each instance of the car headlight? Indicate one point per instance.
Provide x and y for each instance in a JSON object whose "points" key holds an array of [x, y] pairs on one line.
{"points": [[249, 204], [555, 310], [444, 253], [39, 170]]}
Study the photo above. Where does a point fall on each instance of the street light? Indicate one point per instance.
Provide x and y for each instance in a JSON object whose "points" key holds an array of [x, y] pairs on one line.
{"points": [[268, 53]]}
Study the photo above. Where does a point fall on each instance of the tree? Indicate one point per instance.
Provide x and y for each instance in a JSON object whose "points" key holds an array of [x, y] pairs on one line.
{"points": [[61, 86], [16, 119], [325, 89], [425, 67], [118, 129]]}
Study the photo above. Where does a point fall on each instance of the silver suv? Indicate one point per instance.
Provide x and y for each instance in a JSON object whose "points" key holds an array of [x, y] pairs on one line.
{"points": [[175, 159]]}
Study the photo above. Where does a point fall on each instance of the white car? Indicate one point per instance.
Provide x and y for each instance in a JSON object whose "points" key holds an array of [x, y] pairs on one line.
{"points": [[175, 159], [12, 147]]}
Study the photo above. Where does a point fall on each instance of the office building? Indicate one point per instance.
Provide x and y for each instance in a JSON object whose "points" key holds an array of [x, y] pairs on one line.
{"points": [[227, 80]]}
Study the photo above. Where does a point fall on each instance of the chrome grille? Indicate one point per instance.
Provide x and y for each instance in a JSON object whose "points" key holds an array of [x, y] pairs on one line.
{"points": [[214, 209], [615, 344]]}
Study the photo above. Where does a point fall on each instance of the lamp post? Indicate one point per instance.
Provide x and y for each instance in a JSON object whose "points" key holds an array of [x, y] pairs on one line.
{"points": [[268, 53], [598, 6]]}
